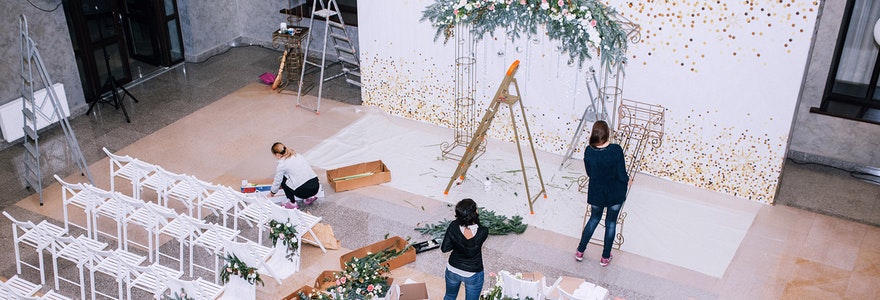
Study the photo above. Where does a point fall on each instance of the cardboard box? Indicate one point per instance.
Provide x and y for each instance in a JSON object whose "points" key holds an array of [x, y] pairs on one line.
{"points": [[409, 291], [295, 295], [327, 279], [359, 175], [395, 242]]}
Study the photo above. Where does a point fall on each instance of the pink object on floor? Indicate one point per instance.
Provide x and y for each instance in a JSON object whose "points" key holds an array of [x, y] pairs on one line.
{"points": [[290, 205], [310, 200], [267, 78]]}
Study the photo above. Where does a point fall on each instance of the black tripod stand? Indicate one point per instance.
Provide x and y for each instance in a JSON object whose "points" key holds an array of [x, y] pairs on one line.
{"points": [[116, 100]]}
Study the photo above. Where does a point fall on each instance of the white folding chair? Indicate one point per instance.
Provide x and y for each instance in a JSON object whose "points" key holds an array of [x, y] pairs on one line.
{"points": [[255, 211], [117, 208], [51, 295], [16, 287], [151, 279], [198, 289], [77, 251], [279, 258], [39, 236], [113, 263], [187, 190], [305, 222], [160, 182], [212, 239], [181, 229], [221, 201], [148, 218], [253, 255], [129, 168], [82, 196], [519, 288]]}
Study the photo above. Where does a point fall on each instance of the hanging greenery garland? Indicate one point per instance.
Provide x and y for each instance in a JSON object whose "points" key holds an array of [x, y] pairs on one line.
{"points": [[584, 27], [234, 266], [287, 233], [497, 225]]}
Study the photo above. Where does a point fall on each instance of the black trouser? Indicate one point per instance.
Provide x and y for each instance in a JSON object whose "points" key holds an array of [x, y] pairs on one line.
{"points": [[306, 190]]}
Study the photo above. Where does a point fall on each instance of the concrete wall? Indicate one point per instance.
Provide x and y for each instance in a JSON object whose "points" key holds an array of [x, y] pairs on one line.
{"points": [[49, 32], [826, 139]]}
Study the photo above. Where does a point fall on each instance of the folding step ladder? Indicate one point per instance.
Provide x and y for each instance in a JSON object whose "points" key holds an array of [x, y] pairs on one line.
{"points": [[502, 96], [32, 110], [334, 32], [591, 114]]}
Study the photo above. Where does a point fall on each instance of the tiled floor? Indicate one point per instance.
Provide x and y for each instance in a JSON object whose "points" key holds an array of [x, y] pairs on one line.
{"points": [[787, 253]]}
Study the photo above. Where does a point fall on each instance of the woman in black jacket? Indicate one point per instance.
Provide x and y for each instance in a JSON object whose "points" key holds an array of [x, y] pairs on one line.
{"points": [[465, 237]]}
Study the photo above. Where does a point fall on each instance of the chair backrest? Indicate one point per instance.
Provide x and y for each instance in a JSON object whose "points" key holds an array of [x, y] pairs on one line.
{"points": [[243, 251], [178, 286], [282, 214], [519, 289], [565, 295], [16, 224], [68, 188]]}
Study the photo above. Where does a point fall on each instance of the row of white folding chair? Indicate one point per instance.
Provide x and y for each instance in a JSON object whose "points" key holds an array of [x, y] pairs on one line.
{"points": [[95, 202], [122, 266], [183, 188], [38, 236]]}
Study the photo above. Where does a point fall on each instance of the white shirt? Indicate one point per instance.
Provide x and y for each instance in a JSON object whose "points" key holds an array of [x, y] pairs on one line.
{"points": [[297, 170]]}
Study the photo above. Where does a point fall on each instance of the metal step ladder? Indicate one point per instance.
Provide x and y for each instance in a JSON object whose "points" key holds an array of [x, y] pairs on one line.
{"points": [[32, 110], [594, 112], [346, 54]]}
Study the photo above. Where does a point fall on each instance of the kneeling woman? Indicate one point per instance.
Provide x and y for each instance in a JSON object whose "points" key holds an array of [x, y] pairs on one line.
{"points": [[294, 175]]}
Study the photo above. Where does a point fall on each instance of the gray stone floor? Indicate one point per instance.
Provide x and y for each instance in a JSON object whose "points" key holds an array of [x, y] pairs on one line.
{"points": [[183, 90]]}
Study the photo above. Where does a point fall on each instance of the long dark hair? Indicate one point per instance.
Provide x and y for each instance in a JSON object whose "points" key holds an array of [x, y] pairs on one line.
{"points": [[466, 212], [599, 134]]}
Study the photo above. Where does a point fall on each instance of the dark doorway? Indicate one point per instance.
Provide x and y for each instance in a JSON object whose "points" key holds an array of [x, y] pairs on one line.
{"points": [[126, 38]]}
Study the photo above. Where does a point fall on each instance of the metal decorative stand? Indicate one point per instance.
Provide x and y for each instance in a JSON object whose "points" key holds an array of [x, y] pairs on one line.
{"points": [[640, 125], [464, 118], [610, 92]]}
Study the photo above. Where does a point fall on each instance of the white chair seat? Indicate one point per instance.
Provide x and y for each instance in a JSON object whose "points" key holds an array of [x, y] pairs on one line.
{"points": [[21, 287]]}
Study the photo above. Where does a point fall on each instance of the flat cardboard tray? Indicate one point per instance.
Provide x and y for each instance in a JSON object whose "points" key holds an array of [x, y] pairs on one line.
{"points": [[358, 175]]}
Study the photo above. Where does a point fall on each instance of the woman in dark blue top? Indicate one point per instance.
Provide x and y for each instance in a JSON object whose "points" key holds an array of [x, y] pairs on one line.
{"points": [[606, 168]]}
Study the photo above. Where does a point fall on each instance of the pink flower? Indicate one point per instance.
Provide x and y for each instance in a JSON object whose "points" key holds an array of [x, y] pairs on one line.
{"points": [[492, 6], [593, 23], [522, 2], [560, 3], [370, 288], [455, 11], [492, 274], [343, 280]]}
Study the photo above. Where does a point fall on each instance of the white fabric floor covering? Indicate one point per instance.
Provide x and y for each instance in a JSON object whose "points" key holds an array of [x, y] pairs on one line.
{"points": [[669, 222]]}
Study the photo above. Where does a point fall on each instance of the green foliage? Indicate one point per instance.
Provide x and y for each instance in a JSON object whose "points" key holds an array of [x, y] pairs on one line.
{"points": [[234, 266], [287, 233], [497, 225], [583, 27]]}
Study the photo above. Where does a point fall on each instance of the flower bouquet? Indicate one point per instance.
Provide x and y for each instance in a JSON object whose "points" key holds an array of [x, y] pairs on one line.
{"points": [[361, 278], [235, 266], [286, 232], [494, 293], [177, 296]]}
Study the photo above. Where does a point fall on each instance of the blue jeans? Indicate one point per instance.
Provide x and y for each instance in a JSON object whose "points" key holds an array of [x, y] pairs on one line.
{"points": [[472, 285], [610, 228]]}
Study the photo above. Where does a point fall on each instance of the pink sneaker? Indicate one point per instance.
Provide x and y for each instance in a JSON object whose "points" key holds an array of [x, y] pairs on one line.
{"points": [[310, 200], [290, 205], [578, 256], [605, 261]]}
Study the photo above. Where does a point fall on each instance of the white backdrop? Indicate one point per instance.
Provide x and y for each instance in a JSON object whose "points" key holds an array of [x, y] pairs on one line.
{"points": [[727, 73]]}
